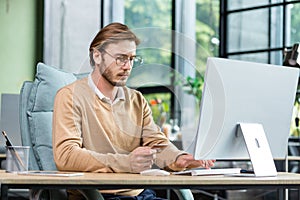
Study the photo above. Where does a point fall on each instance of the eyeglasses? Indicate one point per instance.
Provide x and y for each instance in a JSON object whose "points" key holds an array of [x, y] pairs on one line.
{"points": [[121, 60]]}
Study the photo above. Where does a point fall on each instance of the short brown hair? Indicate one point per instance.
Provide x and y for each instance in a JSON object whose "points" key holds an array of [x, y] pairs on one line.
{"points": [[111, 33]]}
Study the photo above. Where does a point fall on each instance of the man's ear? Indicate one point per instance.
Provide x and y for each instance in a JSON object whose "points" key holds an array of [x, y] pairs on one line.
{"points": [[97, 56]]}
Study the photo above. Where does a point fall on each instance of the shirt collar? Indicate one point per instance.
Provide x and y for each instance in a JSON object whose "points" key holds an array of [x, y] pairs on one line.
{"points": [[120, 92]]}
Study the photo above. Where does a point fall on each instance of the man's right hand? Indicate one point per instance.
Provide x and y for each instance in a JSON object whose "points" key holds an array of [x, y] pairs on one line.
{"points": [[142, 158]]}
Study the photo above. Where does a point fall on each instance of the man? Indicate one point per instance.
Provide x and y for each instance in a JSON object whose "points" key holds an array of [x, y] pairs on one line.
{"points": [[100, 125]]}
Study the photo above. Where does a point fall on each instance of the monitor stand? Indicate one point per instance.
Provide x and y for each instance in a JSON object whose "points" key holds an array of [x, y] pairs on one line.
{"points": [[258, 149]]}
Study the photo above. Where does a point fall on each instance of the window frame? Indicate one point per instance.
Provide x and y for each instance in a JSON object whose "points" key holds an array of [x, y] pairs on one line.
{"points": [[224, 29]]}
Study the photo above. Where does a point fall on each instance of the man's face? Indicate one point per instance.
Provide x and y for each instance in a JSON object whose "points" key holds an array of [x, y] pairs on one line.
{"points": [[117, 73]]}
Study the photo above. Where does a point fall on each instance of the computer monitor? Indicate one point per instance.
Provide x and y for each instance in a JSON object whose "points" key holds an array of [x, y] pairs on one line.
{"points": [[9, 121], [244, 92]]}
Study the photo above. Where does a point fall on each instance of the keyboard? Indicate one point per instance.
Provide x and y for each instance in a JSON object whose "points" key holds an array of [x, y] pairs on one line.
{"points": [[212, 171]]}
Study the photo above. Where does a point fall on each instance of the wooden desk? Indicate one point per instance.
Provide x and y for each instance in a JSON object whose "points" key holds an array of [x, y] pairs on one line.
{"points": [[114, 181]]}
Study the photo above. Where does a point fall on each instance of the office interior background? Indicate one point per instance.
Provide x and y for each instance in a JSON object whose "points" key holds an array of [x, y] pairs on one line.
{"points": [[177, 37]]}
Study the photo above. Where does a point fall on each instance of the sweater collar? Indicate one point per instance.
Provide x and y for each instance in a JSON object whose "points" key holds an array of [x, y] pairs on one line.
{"points": [[120, 92]]}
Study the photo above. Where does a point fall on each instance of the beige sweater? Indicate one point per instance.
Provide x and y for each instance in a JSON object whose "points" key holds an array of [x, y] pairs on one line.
{"points": [[92, 135]]}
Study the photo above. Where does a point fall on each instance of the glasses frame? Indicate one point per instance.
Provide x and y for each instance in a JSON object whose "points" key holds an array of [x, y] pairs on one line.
{"points": [[120, 61]]}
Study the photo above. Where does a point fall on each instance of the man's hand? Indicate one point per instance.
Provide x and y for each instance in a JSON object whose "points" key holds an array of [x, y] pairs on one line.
{"points": [[142, 158], [188, 161]]}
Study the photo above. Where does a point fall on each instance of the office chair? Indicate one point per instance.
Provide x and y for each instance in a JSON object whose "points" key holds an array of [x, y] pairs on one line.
{"points": [[36, 108]]}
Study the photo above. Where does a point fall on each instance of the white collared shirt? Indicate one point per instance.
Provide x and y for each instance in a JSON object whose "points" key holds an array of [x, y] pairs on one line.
{"points": [[119, 96]]}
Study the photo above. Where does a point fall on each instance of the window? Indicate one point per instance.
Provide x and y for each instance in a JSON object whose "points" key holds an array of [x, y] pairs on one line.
{"points": [[259, 30], [153, 25], [177, 37]]}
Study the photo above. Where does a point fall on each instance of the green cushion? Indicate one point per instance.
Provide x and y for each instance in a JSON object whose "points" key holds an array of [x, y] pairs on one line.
{"points": [[48, 80], [41, 137]]}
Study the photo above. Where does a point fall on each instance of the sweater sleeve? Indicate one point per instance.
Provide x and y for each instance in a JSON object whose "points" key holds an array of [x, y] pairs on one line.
{"points": [[68, 150], [153, 135]]}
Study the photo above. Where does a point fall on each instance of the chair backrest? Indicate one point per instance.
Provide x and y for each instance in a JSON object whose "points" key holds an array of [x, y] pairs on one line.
{"points": [[36, 109], [24, 124]]}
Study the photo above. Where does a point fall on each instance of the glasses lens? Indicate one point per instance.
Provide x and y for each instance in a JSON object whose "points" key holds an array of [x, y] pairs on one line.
{"points": [[137, 61], [121, 60], [133, 61]]}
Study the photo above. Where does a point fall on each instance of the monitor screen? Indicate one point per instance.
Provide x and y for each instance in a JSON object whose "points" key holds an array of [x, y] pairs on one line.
{"points": [[244, 92]]}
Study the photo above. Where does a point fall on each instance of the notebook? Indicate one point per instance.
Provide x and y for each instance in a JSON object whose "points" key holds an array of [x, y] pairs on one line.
{"points": [[51, 173]]}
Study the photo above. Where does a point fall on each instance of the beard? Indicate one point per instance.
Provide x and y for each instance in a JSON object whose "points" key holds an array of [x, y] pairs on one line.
{"points": [[108, 75]]}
